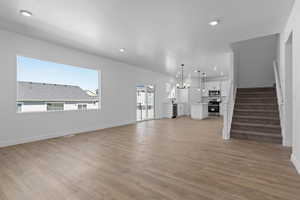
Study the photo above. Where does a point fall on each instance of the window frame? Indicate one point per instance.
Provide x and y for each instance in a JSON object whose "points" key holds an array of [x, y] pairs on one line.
{"points": [[58, 61], [63, 106]]}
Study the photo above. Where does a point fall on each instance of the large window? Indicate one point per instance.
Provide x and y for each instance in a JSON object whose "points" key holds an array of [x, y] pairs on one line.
{"points": [[47, 86]]}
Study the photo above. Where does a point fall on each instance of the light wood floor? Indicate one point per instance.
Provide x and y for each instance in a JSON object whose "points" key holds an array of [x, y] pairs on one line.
{"points": [[164, 159]]}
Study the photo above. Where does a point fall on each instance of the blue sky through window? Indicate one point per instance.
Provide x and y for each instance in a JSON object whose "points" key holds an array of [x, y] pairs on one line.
{"points": [[34, 70]]}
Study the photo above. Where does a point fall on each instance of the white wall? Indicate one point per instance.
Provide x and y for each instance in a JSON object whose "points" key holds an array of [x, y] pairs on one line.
{"points": [[118, 92], [293, 26], [288, 111], [253, 60]]}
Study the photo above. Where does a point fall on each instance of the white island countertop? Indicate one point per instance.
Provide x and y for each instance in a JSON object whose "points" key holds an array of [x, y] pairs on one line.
{"points": [[199, 110]]}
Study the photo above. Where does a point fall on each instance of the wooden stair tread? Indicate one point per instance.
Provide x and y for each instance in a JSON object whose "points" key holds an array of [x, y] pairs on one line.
{"points": [[256, 125], [256, 93], [257, 89], [255, 110], [255, 133], [256, 117], [255, 107], [256, 97], [256, 104]]}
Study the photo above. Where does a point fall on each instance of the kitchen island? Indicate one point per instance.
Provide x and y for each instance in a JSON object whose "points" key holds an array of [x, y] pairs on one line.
{"points": [[199, 111]]}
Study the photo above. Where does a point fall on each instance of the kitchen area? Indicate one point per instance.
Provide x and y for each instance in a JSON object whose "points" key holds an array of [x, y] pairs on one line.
{"points": [[199, 99]]}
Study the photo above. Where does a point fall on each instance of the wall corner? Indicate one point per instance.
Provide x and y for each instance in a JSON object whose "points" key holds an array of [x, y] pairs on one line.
{"points": [[296, 162]]}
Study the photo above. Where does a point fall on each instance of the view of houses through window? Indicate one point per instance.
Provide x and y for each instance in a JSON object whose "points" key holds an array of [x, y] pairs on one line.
{"points": [[47, 86]]}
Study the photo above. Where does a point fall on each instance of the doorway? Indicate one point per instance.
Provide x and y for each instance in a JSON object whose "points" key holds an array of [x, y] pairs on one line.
{"points": [[145, 98], [289, 91]]}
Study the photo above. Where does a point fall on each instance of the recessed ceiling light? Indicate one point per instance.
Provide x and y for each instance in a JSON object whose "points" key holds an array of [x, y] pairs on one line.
{"points": [[122, 50], [214, 23], [26, 13]]}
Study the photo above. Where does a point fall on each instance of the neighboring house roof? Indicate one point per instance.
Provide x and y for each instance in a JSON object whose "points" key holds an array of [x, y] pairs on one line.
{"points": [[91, 93], [29, 91]]}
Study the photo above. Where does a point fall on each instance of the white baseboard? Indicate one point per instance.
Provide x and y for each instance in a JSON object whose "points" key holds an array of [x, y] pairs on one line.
{"points": [[296, 162], [56, 135], [33, 139]]}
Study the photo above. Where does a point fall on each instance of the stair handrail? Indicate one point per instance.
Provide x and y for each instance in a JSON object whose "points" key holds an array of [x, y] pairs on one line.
{"points": [[278, 83], [280, 98], [228, 110]]}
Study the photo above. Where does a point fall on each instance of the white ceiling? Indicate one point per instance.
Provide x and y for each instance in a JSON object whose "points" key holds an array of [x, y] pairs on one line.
{"points": [[157, 34]]}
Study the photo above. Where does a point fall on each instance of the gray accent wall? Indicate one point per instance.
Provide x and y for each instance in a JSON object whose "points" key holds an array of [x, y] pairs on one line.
{"points": [[253, 61]]}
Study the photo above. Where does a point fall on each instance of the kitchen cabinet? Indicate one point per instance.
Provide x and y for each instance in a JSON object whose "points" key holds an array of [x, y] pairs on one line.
{"points": [[182, 109], [199, 111], [205, 93], [211, 85], [222, 109], [224, 88], [195, 95], [216, 85], [167, 110], [182, 95]]}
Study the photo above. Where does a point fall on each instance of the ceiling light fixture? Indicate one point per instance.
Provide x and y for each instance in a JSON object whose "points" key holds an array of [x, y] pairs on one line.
{"points": [[214, 23], [26, 13], [122, 50], [181, 84], [199, 80], [204, 80]]}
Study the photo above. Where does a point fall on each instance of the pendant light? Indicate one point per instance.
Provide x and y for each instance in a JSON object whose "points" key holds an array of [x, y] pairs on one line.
{"points": [[199, 80], [181, 84], [204, 82]]}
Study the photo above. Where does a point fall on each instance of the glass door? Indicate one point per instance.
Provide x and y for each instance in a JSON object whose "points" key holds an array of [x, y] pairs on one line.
{"points": [[145, 102], [141, 103], [150, 102]]}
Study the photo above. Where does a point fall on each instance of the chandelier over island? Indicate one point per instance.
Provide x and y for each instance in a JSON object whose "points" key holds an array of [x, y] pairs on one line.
{"points": [[181, 84]]}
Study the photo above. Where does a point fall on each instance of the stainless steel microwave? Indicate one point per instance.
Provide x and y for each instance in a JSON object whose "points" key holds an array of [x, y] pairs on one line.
{"points": [[214, 92]]}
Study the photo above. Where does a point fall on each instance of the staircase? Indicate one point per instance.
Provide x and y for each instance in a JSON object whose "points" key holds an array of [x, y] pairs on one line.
{"points": [[256, 115]]}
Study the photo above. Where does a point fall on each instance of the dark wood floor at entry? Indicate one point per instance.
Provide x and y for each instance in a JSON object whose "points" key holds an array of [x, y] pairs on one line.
{"points": [[164, 159]]}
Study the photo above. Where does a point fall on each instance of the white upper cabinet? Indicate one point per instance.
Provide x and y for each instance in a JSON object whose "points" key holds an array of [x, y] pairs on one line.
{"points": [[205, 92], [211, 85], [214, 85], [195, 95], [224, 88]]}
